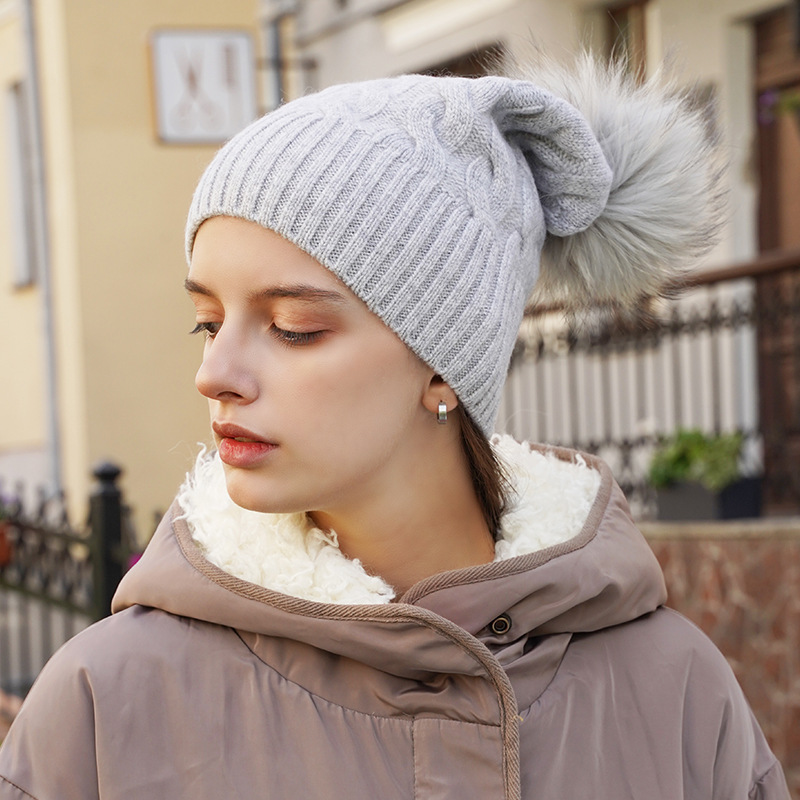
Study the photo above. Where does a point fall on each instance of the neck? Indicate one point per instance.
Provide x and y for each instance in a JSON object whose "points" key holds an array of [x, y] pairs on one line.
{"points": [[416, 528]]}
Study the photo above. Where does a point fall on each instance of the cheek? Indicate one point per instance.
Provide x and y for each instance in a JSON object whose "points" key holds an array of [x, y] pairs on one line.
{"points": [[366, 393]]}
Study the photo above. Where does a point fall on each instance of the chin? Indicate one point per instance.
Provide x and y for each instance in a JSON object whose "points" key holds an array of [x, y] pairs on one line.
{"points": [[249, 492]]}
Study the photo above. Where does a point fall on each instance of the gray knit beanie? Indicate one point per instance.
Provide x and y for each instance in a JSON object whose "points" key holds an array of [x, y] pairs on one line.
{"points": [[430, 198]]}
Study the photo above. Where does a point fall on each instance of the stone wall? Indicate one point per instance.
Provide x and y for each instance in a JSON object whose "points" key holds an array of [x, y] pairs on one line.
{"points": [[740, 582]]}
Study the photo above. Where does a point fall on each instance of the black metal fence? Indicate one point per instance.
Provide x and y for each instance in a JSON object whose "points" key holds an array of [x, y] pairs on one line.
{"points": [[723, 356], [55, 580]]}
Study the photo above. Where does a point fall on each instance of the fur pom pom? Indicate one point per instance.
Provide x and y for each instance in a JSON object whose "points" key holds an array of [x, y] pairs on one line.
{"points": [[666, 204]]}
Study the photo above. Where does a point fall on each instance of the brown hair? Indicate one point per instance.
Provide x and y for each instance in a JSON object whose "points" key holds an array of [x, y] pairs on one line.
{"points": [[488, 475]]}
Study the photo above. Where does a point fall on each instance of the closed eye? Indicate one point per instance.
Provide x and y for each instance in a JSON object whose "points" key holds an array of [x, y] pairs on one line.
{"points": [[210, 329], [295, 338]]}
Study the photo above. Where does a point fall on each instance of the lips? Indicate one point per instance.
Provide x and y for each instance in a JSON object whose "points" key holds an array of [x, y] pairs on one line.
{"points": [[228, 430], [239, 447]]}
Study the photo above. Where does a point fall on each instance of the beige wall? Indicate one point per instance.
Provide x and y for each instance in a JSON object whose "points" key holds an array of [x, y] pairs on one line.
{"points": [[117, 200], [22, 392], [131, 195]]}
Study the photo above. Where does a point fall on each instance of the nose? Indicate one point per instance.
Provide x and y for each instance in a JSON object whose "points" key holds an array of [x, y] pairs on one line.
{"points": [[224, 374]]}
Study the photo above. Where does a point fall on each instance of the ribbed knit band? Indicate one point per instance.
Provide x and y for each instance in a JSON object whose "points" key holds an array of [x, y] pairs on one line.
{"points": [[429, 198]]}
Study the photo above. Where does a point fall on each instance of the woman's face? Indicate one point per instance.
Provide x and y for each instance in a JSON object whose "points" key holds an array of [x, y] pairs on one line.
{"points": [[315, 404]]}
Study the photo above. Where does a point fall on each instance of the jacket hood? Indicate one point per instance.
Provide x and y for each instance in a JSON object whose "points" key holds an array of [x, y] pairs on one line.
{"points": [[603, 574]]}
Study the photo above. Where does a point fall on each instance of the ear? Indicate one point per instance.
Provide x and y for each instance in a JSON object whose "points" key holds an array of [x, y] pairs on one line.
{"points": [[438, 391]]}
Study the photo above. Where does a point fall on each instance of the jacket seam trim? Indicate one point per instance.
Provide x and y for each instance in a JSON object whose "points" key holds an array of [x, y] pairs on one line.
{"points": [[414, 751], [16, 786], [393, 612]]}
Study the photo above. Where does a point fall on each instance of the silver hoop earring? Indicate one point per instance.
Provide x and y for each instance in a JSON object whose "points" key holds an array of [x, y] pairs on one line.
{"points": [[442, 413]]}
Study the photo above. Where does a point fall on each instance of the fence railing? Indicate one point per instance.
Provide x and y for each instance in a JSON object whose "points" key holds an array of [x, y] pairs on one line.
{"points": [[55, 580], [721, 356]]}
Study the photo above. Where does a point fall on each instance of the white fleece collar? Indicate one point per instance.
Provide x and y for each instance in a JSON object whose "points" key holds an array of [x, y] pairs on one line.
{"points": [[549, 503]]}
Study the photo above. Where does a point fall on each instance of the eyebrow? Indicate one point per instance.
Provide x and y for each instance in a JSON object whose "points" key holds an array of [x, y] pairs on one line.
{"points": [[298, 291]]}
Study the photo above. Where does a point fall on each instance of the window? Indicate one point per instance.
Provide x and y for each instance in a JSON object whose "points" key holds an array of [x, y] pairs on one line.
{"points": [[20, 161]]}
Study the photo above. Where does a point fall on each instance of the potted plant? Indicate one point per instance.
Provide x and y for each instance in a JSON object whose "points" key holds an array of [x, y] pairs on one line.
{"points": [[697, 476]]}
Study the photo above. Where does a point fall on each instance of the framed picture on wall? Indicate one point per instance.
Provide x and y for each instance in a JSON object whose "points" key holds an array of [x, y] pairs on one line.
{"points": [[203, 84]]}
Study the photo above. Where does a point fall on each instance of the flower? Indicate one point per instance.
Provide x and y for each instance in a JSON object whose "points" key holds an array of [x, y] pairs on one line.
{"points": [[777, 101]]}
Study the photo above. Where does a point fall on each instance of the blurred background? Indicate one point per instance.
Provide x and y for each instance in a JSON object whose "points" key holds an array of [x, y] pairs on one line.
{"points": [[110, 111]]}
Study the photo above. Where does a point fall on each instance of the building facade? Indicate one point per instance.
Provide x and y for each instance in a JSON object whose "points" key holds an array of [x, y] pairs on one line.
{"points": [[94, 188]]}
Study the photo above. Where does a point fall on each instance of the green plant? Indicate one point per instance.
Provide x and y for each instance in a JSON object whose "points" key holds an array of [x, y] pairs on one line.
{"points": [[789, 101], [691, 455]]}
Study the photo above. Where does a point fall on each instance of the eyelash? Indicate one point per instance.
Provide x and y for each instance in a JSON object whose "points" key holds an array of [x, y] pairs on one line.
{"points": [[295, 338], [289, 338], [210, 329]]}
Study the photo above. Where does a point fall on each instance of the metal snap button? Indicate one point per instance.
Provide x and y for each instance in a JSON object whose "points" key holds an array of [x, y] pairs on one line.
{"points": [[501, 625]]}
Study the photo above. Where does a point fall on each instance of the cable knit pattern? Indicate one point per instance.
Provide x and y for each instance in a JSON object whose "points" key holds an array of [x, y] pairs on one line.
{"points": [[548, 504], [429, 197]]}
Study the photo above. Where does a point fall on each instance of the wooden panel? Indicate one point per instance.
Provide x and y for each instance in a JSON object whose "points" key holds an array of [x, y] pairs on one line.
{"points": [[777, 61], [769, 235], [788, 183], [778, 73], [778, 296]]}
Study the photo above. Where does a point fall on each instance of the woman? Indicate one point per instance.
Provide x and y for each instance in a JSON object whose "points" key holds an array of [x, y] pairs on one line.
{"points": [[358, 595]]}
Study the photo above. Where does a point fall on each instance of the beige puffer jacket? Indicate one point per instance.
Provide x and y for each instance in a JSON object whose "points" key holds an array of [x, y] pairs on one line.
{"points": [[552, 675]]}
